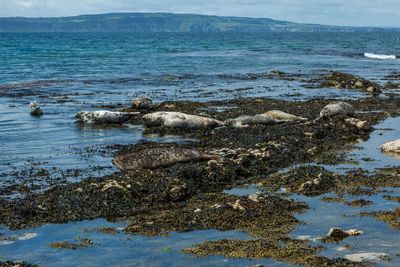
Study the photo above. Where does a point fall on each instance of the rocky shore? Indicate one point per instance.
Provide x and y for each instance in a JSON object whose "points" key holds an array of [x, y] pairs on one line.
{"points": [[175, 187]]}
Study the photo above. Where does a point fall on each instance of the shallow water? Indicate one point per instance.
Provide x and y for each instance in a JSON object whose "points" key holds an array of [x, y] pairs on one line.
{"points": [[67, 73]]}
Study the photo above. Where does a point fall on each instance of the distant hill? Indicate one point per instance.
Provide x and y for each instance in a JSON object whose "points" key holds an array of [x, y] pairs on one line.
{"points": [[163, 22]]}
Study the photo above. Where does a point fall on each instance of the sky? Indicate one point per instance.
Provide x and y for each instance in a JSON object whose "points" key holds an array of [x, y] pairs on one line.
{"points": [[332, 12]]}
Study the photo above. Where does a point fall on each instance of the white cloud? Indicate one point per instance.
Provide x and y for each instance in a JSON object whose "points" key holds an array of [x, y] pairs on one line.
{"points": [[338, 12]]}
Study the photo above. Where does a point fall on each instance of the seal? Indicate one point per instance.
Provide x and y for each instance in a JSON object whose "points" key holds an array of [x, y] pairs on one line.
{"points": [[142, 103], [155, 158], [336, 108], [283, 116], [246, 121], [179, 120], [36, 110], [104, 116]]}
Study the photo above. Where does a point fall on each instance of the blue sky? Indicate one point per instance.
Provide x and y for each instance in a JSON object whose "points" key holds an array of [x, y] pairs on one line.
{"points": [[334, 12]]}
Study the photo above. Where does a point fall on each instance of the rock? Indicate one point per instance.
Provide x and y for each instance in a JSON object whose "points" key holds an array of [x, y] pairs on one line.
{"points": [[178, 192], [337, 233], [283, 116], [348, 81], [246, 121], [359, 124], [35, 109], [336, 108], [159, 157], [237, 205], [142, 103], [367, 256], [179, 120], [317, 186], [103, 116], [391, 147]]}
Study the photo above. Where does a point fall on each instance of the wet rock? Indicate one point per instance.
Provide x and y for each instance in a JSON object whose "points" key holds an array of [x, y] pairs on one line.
{"points": [[392, 147], [16, 264], [283, 116], [348, 81], [179, 120], [336, 108], [103, 116], [337, 233], [142, 103], [178, 193], [367, 256], [36, 110], [159, 157], [359, 124]]}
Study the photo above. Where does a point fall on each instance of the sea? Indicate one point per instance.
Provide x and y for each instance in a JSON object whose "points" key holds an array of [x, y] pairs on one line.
{"points": [[69, 72]]}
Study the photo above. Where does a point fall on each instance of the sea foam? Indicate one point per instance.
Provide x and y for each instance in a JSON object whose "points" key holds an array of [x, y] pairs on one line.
{"points": [[377, 56]]}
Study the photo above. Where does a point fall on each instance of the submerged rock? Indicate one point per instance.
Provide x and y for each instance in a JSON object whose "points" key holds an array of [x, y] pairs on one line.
{"points": [[142, 103], [103, 116], [179, 120], [367, 256], [159, 157], [337, 233], [336, 108], [36, 109], [391, 147], [348, 81]]}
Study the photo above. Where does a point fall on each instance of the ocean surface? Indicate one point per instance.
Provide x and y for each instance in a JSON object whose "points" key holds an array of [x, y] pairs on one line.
{"points": [[70, 72]]}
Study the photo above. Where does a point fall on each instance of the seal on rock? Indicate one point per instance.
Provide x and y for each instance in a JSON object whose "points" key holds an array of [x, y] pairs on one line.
{"points": [[283, 116], [142, 103], [246, 121], [36, 110], [336, 108], [179, 120], [104, 116], [159, 157], [338, 233]]}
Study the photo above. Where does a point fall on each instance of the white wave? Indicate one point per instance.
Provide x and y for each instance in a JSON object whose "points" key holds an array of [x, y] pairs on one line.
{"points": [[377, 56]]}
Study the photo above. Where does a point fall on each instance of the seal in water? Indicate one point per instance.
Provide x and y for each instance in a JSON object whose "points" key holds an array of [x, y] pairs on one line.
{"points": [[35, 109], [283, 116], [179, 120], [336, 108], [246, 121], [142, 103], [159, 157], [103, 116]]}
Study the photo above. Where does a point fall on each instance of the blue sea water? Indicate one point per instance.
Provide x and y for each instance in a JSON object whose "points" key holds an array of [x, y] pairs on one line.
{"points": [[69, 72]]}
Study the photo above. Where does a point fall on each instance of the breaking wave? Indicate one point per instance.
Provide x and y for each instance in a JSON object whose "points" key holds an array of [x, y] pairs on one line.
{"points": [[379, 56]]}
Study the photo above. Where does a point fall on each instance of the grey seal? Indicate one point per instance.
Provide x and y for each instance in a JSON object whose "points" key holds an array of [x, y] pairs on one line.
{"points": [[159, 157], [179, 120]]}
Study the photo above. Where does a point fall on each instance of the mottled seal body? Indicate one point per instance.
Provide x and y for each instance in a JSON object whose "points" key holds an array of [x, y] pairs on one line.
{"points": [[283, 116], [159, 157], [245, 121], [36, 110], [179, 120], [142, 103], [103, 116], [391, 147], [337, 108]]}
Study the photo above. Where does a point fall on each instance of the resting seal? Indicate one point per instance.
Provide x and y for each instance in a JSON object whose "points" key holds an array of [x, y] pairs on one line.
{"points": [[142, 103], [103, 116], [336, 108], [179, 120], [35, 109], [246, 121], [159, 157], [283, 116]]}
